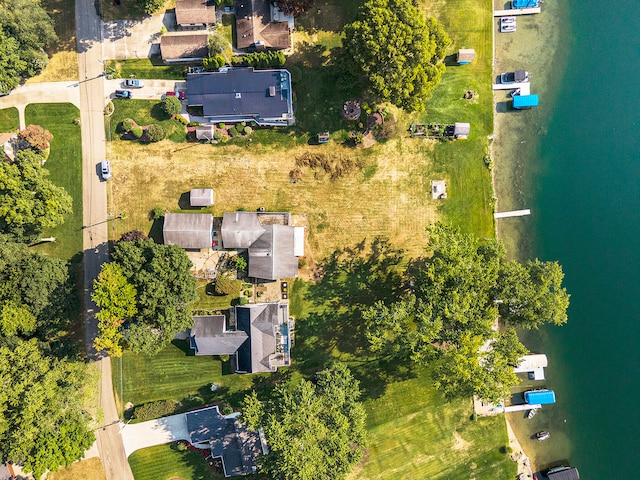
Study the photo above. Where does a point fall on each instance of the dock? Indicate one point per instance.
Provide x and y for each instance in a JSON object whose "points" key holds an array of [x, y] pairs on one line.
{"points": [[516, 11], [521, 408], [525, 87], [512, 213]]}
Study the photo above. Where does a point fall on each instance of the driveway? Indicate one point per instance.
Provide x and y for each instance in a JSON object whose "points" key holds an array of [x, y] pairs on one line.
{"points": [[152, 90], [135, 39], [154, 432]]}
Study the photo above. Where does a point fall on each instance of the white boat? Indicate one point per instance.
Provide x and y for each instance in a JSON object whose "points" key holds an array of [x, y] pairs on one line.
{"points": [[507, 28], [505, 20], [532, 413], [542, 436]]}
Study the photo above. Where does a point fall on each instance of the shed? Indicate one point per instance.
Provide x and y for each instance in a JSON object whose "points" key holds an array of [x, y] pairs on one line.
{"points": [[540, 397], [191, 231], [466, 55], [205, 132], [323, 137], [461, 130], [563, 473], [525, 101], [438, 189], [195, 13], [201, 197]]}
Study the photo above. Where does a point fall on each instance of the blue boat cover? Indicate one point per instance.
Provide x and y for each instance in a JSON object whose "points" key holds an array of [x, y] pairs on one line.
{"points": [[542, 397], [525, 101], [525, 3]]}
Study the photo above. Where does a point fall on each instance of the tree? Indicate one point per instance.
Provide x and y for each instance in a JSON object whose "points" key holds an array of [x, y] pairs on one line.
{"points": [[43, 422], [117, 299], [171, 105], [12, 66], [29, 202], [226, 285], [532, 294], [314, 432], [152, 6], [155, 132], [164, 288], [399, 51], [240, 263], [36, 137], [132, 236], [294, 7]]}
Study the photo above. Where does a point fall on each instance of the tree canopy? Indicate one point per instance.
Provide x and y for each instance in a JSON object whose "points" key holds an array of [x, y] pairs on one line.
{"points": [[294, 8], [449, 317], [171, 105], [315, 431], [164, 287], [29, 201], [399, 50], [43, 423]]}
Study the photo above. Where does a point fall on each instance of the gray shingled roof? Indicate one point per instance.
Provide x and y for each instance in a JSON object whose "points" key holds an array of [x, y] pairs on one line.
{"points": [[240, 229], [260, 321], [570, 473], [194, 12], [240, 92], [174, 47], [188, 230], [201, 197], [271, 255], [210, 337]]}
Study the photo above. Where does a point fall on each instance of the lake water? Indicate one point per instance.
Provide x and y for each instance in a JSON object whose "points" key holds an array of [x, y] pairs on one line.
{"points": [[575, 162]]}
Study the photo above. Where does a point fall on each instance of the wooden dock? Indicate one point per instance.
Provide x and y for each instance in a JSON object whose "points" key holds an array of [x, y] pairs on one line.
{"points": [[516, 11], [525, 87], [520, 408], [513, 213]]}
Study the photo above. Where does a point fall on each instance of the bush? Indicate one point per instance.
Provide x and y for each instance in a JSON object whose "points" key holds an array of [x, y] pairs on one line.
{"points": [[226, 409], [181, 446], [192, 124], [137, 132], [156, 213], [128, 124], [225, 285], [248, 130], [222, 126], [150, 411], [155, 132], [240, 263], [224, 139], [233, 132], [242, 301], [171, 105], [217, 136], [182, 120]]}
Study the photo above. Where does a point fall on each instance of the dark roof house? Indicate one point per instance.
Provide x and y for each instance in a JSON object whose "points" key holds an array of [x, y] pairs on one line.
{"points": [[191, 231], [227, 438], [209, 336], [194, 14], [243, 95], [201, 197], [184, 48], [563, 473]]}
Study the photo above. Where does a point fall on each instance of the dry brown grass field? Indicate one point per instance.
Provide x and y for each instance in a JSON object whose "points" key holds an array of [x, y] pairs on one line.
{"points": [[389, 197], [90, 469]]}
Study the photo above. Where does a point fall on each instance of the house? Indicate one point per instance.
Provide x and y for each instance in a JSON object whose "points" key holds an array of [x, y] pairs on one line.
{"points": [[243, 95], [261, 26], [184, 48], [521, 102], [563, 473], [195, 14], [201, 197], [466, 55], [273, 249], [461, 130], [227, 438], [261, 342], [9, 144], [205, 132], [191, 231]]}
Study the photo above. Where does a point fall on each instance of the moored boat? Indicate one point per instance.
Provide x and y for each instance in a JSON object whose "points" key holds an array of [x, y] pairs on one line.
{"points": [[542, 436], [532, 413]]}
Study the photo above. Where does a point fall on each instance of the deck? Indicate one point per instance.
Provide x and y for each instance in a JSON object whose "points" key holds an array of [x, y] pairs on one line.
{"points": [[525, 87], [513, 213], [516, 11]]}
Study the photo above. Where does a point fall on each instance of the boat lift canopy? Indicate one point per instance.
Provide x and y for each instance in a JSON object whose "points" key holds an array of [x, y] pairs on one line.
{"points": [[525, 101], [542, 397]]}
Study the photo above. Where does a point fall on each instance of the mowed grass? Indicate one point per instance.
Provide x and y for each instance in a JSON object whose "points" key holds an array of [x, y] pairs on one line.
{"points": [[63, 59], [90, 469], [144, 112], [176, 373], [146, 68], [9, 119], [414, 433], [165, 462], [65, 167]]}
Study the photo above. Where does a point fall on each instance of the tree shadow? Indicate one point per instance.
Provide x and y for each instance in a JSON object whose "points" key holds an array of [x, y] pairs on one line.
{"points": [[183, 345], [184, 202], [158, 112]]}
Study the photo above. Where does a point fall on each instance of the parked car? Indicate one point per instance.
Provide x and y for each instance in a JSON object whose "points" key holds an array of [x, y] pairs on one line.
{"points": [[133, 83], [105, 169], [180, 95], [195, 69], [123, 94]]}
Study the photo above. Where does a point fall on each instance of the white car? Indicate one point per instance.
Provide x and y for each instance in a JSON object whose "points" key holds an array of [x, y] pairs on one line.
{"points": [[105, 169], [133, 83]]}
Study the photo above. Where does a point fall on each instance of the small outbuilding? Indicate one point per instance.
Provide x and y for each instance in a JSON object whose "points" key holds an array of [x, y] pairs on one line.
{"points": [[201, 197], [323, 137], [438, 189], [461, 130], [466, 55], [191, 231], [205, 132]]}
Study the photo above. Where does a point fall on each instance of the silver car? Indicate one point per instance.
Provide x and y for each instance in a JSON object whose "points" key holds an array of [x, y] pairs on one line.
{"points": [[105, 169]]}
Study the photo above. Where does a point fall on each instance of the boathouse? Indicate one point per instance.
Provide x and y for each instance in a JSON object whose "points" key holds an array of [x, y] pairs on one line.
{"points": [[521, 102], [466, 55], [563, 473]]}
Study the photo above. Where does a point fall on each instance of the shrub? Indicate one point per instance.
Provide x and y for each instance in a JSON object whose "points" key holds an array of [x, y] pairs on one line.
{"points": [[182, 120], [243, 124], [233, 132], [156, 213], [248, 130], [152, 410], [192, 124], [226, 409], [171, 105], [226, 285], [137, 132], [242, 301], [222, 126], [240, 263], [155, 132], [224, 139], [163, 30], [128, 124], [217, 136], [181, 445]]}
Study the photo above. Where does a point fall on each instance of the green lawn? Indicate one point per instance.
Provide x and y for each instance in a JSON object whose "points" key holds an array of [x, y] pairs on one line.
{"points": [[152, 68], [9, 120], [65, 167], [165, 462], [145, 112], [208, 300]]}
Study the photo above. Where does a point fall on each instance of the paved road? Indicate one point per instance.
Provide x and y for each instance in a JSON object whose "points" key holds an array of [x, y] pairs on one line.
{"points": [[95, 218]]}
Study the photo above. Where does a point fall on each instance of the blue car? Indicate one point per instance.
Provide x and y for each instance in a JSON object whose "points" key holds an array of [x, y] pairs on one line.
{"points": [[123, 94]]}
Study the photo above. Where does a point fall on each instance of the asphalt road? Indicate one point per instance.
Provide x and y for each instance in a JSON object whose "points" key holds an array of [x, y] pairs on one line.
{"points": [[96, 219]]}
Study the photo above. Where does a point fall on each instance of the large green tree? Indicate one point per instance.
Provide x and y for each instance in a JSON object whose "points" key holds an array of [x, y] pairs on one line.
{"points": [[315, 431], [164, 288], [29, 201], [399, 50], [12, 66], [42, 422]]}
